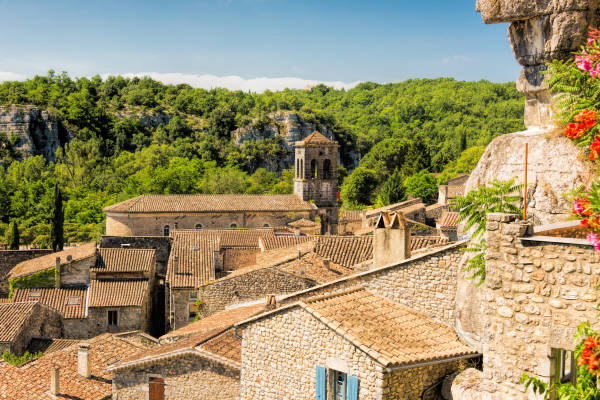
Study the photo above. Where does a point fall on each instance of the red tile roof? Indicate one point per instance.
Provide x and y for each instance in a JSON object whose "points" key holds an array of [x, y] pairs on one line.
{"points": [[233, 237], [198, 203], [125, 260], [281, 242], [13, 316], [118, 293], [448, 220], [345, 250], [225, 345], [316, 138], [353, 215], [422, 242], [191, 262], [57, 299], [303, 223], [49, 261], [32, 380]]}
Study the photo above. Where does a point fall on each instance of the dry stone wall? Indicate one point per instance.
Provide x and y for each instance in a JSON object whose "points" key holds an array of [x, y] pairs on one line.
{"points": [[186, 377], [409, 384]]}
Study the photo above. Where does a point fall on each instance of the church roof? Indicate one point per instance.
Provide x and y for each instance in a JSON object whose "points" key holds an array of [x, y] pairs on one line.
{"points": [[203, 203], [316, 138]]}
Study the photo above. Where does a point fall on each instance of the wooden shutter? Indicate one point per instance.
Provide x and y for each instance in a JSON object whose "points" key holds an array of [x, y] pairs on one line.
{"points": [[156, 388], [352, 388], [321, 383]]}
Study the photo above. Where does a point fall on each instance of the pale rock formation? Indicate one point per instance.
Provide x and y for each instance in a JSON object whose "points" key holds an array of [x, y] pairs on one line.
{"points": [[40, 132]]}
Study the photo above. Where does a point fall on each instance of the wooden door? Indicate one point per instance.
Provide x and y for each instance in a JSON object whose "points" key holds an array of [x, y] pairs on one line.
{"points": [[156, 388]]}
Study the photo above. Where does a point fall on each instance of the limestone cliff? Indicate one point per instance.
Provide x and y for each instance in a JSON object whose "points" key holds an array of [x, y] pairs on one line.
{"points": [[39, 132]]}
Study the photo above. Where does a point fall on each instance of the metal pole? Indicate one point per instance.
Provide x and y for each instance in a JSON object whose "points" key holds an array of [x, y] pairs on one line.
{"points": [[525, 187]]}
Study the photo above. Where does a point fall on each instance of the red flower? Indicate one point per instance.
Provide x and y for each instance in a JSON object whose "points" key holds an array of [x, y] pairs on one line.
{"points": [[575, 130], [595, 148]]}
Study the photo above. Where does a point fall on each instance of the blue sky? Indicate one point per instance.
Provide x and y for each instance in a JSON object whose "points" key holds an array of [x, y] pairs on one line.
{"points": [[234, 42]]}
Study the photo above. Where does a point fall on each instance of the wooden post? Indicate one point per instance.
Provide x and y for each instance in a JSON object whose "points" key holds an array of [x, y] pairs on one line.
{"points": [[525, 187]]}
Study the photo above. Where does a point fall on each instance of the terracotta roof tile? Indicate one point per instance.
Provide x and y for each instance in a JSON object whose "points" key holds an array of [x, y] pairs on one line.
{"points": [[125, 260], [191, 262], [448, 220], [396, 334], [225, 345], [345, 250], [316, 138], [118, 293], [13, 316], [32, 381], [69, 302], [234, 237], [280, 242], [353, 215], [395, 207], [421, 242], [311, 266], [49, 261], [200, 203], [48, 346], [303, 223]]}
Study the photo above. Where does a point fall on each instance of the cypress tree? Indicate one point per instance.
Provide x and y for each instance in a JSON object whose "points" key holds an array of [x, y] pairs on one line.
{"points": [[57, 219], [13, 236]]}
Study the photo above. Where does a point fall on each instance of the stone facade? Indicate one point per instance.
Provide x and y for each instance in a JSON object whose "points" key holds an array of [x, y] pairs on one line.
{"points": [[153, 224], [129, 319], [178, 306], [425, 283], [10, 258], [249, 286], [76, 273], [161, 244], [280, 354], [45, 323], [186, 377], [410, 383], [239, 257], [76, 328]]}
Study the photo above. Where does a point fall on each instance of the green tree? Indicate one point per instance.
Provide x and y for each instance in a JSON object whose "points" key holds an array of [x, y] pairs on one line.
{"points": [[13, 236], [423, 185], [392, 191], [57, 219], [358, 187]]}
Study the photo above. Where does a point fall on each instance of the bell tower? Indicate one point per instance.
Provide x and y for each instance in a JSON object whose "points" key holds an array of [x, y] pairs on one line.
{"points": [[316, 177]]}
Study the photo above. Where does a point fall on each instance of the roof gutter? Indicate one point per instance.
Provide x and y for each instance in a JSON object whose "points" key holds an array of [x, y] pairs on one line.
{"points": [[432, 362]]}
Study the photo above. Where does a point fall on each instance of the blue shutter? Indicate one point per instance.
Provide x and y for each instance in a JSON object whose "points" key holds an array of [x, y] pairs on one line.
{"points": [[352, 388], [321, 384]]}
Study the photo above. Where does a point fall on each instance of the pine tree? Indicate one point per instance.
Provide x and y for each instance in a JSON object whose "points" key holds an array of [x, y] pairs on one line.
{"points": [[57, 219], [13, 236], [393, 189]]}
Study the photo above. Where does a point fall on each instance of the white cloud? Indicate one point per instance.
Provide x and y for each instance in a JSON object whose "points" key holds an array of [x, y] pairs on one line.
{"points": [[11, 76], [234, 82]]}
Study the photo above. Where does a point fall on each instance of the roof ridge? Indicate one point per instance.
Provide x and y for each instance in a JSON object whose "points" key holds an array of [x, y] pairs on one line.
{"points": [[344, 292]]}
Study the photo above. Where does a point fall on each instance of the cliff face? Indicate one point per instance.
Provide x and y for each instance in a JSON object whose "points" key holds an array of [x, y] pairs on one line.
{"points": [[40, 133]]}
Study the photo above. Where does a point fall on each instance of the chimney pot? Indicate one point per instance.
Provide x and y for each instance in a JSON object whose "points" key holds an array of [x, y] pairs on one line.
{"points": [[297, 231], [83, 362], [271, 302], [54, 381], [327, 263]]}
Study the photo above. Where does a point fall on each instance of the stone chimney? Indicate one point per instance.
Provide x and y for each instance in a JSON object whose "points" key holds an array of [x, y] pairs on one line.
{"points": [[271, 302], [297, 231], [83, 360], [391, 243], [327, 263], [54, 381], [58, 273]]}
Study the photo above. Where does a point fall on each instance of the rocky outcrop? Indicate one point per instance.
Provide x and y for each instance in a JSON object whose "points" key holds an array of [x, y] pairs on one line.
{"points": [[556, 167], [40, 132], [541, 31]]}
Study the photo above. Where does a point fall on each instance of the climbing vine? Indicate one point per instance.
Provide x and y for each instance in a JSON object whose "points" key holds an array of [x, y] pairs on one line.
{"points": [[20, 360], [41, 279]]}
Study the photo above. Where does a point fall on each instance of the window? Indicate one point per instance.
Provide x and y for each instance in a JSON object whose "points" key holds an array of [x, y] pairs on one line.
{"points": [[166, 230], [314, 169], [193, 295], [327, 169], [233, 225], [564, 368], [113, 318], [266, 226], [156, 388], [340, 385], [297, 168], [301, 168], [192, 311], [199, 226]]}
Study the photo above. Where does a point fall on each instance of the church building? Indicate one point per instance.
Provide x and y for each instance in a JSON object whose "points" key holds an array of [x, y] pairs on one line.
{"points": [[315, 195]]}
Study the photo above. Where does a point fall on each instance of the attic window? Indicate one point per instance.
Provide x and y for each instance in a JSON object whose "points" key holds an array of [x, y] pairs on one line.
{"points": [[72, 300], [35, 294]]}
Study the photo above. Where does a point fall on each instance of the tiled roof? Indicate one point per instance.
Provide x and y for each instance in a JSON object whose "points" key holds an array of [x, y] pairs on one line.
{"points": [[421, 242], [32, 380], [118, 293], [392, 333], [191, 262], [125, 260], [225, 345], [316, 138], [435, 206], [311, 266], [13, 316], [448, 220], [48, 346], [345, 250], [49, 261], [303, 223], [394, 207], [71, 303], [353, 215], [280, 242], [219, 321], [199, 203], [233, 237]]}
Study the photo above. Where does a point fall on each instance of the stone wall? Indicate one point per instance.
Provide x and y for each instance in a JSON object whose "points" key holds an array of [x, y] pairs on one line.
{"points": [[77, 273], [536, 294], [409, 384], [252, 285], [280, 354], [186, 377], [75, 328], [179, 301], [139, 224], [425, 283], [161, 244], [128, 319], [239, 257], [45, 323], [10, 258]]}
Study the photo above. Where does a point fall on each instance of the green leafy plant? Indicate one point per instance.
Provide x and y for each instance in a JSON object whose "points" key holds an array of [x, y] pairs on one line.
{"points": [[13, 236], [496, 197], [20, 360], [41, 279]]}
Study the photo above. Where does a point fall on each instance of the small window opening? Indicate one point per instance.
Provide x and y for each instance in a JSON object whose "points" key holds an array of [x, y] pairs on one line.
{"points": [[327, 169], [166, 230], [192, 311], [233, 225], [113, 318], [266, 226], [193, 295], [314, 169], [564, 367], [199, 226], [339, 385]]}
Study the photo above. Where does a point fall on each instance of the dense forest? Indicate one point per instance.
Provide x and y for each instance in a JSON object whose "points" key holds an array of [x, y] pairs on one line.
{"points": [[402, 132]]}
